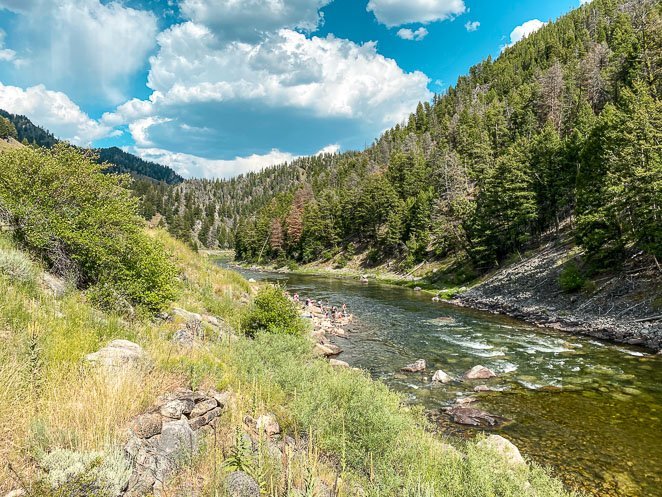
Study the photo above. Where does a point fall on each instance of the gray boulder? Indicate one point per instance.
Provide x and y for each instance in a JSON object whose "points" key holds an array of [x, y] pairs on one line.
{"points": [[177, 439], [240, 484], [441, 377], [415, 367], [146, 425], [505, 447], [117, 354], [479, 373]]}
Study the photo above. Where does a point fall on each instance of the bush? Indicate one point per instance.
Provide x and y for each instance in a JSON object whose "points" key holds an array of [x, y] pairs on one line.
{"points": [[571, 278], [272, 311], [85, 473], [17, 266], [85, 225]]}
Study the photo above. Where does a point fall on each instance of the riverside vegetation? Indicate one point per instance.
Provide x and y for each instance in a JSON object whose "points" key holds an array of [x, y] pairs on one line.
{"points": [[79, 269]]}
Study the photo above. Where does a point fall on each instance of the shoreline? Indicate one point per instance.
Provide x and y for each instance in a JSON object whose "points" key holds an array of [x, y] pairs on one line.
{"points": [[533, 309]]}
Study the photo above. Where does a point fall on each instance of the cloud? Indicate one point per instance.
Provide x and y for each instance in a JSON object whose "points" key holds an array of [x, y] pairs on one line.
{"points": [[398, 12], [524, 30], [287, 91], [408, 34], [85, 48], [53, 111], [249, 20], [192, 166], [472, 26], [6, 55], [582, 2]]}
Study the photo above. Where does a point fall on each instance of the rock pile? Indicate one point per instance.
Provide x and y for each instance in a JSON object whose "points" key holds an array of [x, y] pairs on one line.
{"points": [[167, 436]]}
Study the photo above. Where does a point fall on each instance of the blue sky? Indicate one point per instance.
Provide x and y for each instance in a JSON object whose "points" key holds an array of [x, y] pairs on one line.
{"points": [[214, 88]]}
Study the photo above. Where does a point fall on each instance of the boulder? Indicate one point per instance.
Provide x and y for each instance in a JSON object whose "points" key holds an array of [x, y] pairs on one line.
{"points": [[326, 349], [505, 447], [417, 289], [190, 333], [479, 373], [268, 424], [203, 407], [338, 364], [240, 484], [16, 493], [177, 439], [187, 315], [441, 377], [57, 286], [205, 419], [146, 425], [176, 408], [415, 367], [471, 416], [117, 354]]}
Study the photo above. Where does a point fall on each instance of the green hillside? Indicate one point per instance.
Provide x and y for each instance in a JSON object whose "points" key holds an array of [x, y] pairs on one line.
{"points": [[562, 129]]}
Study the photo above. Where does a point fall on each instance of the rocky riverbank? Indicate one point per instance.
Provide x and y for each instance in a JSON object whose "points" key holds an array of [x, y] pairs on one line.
{"points": [[622, 307]]}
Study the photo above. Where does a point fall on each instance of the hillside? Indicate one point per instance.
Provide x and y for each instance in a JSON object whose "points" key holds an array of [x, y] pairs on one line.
{"points": [[140, 368], [545, 134], [122, 162]]}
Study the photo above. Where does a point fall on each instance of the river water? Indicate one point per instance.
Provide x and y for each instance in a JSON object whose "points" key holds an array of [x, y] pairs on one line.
{"points": [[589, 410]]}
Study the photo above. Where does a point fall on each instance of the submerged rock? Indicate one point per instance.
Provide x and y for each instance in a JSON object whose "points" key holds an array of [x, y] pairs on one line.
{"points": [[504, 447], [471, 416], [415, 367], [479, 373], [441, 377]]}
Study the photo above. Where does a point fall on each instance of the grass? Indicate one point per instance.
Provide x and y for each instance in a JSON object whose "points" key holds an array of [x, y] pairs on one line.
{"points": [[354, 433]]}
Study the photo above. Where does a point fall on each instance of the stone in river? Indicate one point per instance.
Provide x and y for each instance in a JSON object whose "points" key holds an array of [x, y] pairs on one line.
{"points": [[471, 416], [505, 447], [415, 367], [441, 377], [336, 363], [479, 373]]}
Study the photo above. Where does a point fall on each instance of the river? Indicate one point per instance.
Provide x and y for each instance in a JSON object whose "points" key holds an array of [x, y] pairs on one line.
{"points": [[589, 410]]}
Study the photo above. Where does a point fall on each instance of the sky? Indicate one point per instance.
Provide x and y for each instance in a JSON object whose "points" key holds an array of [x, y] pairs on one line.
{"points": [[215, 88]]}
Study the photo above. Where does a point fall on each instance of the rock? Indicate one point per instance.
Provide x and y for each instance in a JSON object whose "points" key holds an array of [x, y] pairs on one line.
{"points": [[239, 484], [16, 493], [415, 367], [323, 349], [176, 408], [118, 353], [146, 425], [441, 377], [191, 332], [471, 416], [177, 439], [338, 364], [504, 447], [482, 388], [252, 280], [205, 419], [203, 407], [417, 289], [57, 286], [224, 399], [187, 315], [479, 373], [267, 423]]}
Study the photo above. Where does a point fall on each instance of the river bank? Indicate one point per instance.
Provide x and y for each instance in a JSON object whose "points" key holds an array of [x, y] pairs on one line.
{"points": [[620, 307]]}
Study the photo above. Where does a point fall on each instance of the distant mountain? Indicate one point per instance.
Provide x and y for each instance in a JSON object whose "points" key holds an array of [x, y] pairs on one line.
{"points": [[122, 162]]}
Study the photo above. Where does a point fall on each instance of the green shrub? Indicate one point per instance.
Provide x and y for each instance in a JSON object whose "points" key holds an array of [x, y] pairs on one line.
{"points": [[7, 129], [272, 311], [17, 266], [571, 278], [84, 473], [84, 224]]}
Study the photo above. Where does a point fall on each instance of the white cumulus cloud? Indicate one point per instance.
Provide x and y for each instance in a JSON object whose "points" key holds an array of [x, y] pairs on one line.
{"points": [[6, 54], [398, 12], [86, 48], [472, 26], [415, 35], [524, 30], [249, 20], [53, 111]]}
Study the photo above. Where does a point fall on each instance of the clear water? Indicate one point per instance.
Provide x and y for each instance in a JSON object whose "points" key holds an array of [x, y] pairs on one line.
{"points": [[589, 410]]}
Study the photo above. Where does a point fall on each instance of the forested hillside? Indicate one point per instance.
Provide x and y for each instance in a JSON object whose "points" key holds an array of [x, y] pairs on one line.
{"points": [[122, 162], [565, 125]]}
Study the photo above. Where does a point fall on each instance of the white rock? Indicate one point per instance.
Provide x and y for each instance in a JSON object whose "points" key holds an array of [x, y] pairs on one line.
{"points": [[415, 367], [479, 373], [118, 353], [505, 447], [336, 363], [268, 424], [441, 377]]}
